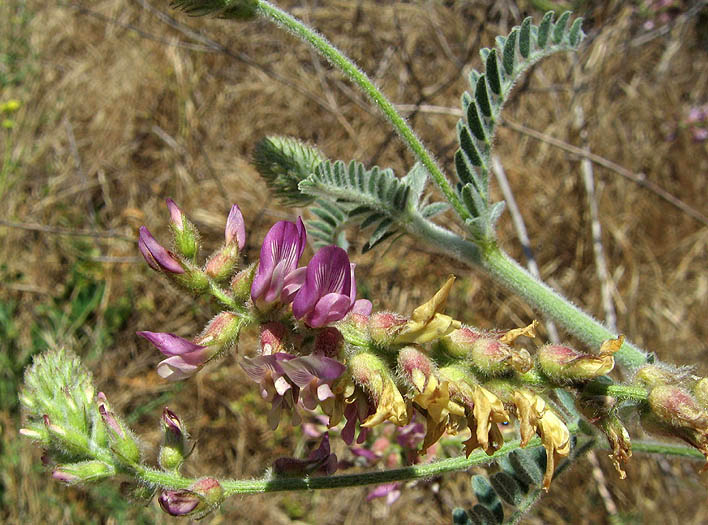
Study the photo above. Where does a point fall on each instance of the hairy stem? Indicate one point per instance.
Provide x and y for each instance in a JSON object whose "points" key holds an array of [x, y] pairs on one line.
{"points": [[232, 487], [347, 66], [508, 272]]}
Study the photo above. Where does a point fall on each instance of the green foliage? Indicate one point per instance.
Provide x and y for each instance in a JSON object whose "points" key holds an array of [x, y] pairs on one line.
{"points": [[516, 483], [482, 106], [283, 163], [374, 197]]}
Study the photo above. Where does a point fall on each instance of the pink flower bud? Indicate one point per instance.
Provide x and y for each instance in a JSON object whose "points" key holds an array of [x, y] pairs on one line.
{"points": [[235, 231], [385, 326], [185, 235], [156, 255], [200, 499]]}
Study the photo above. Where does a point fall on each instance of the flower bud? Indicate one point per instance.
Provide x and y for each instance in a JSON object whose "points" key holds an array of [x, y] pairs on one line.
{"points": [[223, 262], [272, 338], [566, 364], [650, 376], [384, 327], [675, 412], [157, 257], [174, 444], [185, 235], [82, 472], [200, 499], [329, 342], [121, 439], [242, 282], [492, 357], [458, 343]]}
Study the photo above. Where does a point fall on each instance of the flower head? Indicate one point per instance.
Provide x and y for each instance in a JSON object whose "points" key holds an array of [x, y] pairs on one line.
{"points": [[159, 258], [278, 277], [329, 290]]}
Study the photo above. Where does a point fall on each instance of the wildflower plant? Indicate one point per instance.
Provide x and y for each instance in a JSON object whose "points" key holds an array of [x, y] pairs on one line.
{"points": [[391, 385]]}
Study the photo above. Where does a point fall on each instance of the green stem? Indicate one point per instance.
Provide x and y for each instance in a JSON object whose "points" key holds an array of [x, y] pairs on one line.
{"points": [[344, 64], [541, 296], [666, 449], [232, 487]]}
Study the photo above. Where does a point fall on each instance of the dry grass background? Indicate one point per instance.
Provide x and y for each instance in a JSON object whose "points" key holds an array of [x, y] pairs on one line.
{"points": [[122, 107]]}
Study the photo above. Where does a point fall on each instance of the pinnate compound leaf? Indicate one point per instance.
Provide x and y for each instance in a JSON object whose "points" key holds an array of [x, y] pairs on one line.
{"points": [[524, 46]]}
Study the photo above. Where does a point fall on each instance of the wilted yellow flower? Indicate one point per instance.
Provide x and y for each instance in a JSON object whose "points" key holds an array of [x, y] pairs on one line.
{"points": [[373, 375], [555, 437], [483, 409], [536, 417], [564, 363], [428, 323]]}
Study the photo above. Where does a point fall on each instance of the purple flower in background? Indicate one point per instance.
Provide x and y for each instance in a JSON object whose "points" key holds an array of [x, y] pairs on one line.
{"points": [[184, 356], [329, 290], [314, 375], [235, 227], [390, 491], [158, 257], [320, 460], [278, 277]]}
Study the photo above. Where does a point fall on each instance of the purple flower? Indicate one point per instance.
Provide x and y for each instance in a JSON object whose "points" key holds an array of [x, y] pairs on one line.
{"points": [[319, 460], [235, 227], [314, 375], [159, 258], [278, 277], [390, 491], [329, 290], [184, 356], [201, 498], [266, 370]]}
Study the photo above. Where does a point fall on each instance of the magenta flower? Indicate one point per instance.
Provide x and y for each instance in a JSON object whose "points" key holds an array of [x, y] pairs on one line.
{"points": [[278, 277], [184, 356], [329, 290], [158, 257], [314, 375], [235, 227]]}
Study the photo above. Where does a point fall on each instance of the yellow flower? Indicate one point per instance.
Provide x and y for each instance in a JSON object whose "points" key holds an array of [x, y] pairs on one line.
{"points": [[556, 440], [535, 416], [428, 323], [369, 371]]}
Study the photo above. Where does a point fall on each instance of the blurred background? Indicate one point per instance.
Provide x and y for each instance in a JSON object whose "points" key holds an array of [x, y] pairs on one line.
{"points": [[110, 106]]}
